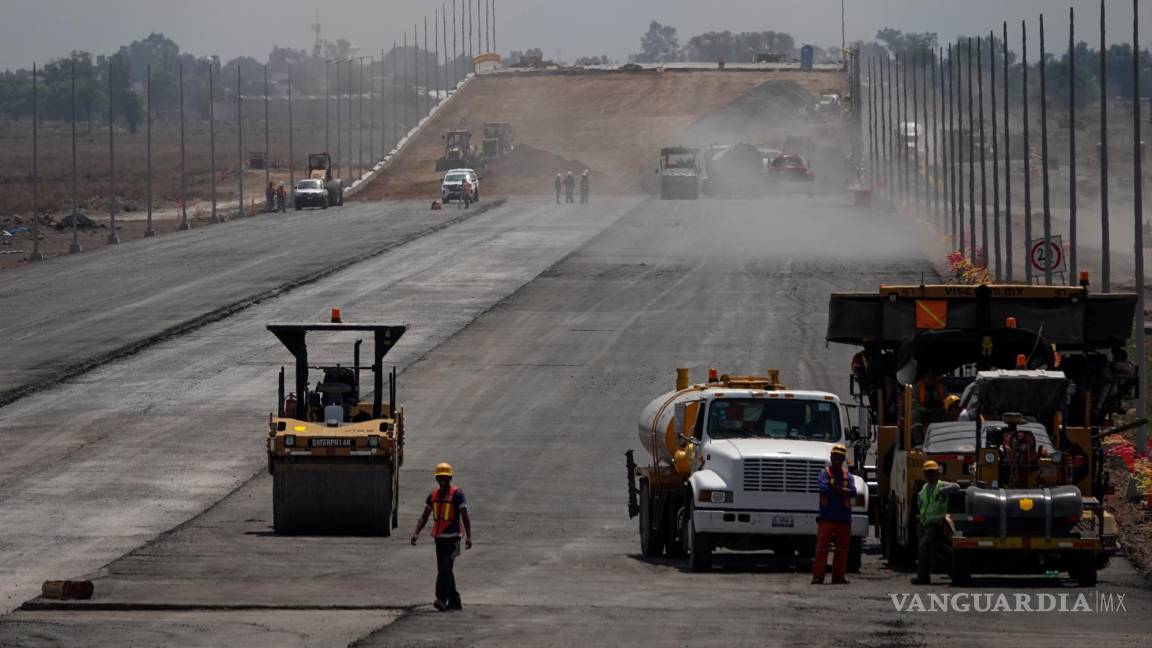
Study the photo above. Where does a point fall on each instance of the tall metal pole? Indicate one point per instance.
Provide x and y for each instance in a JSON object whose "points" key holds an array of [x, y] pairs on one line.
{"points": [[406, 86], [1072, 266], [75, 247], [1027, 155], [995, 157], [211, 136], [267, 142], [957, 182], [149, 231], [971, 163], [240, 140], [924, 63], [427, 72], [351, 126], [372, 110], [871, 129], [494, 46], [360, 122], [1044, 160], [444, 39], [983, 156], [916, 135], [455, 52], [395, 97], [470, 50], [935, 144], [184, 224], [436, 50], [1007, 167], [904, 128], [416, 72], [291, 140], [886, 101], [1105, 244], [1138, 222], [36, 255], [327, 101], [337, 160], [113, 237]]}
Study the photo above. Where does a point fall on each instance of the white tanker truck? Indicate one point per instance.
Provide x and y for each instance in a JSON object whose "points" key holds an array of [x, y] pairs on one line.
{"points": [[734, 463]]}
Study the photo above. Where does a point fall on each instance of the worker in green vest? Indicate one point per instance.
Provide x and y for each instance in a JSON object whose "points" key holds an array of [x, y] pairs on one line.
{"points": [[935, 535]]}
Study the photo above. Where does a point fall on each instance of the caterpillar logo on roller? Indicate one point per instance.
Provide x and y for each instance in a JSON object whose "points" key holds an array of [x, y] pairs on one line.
{"points": [[334, 455], [734, 463]]}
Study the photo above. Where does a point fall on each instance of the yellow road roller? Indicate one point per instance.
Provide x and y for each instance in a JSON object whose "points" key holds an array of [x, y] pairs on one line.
{"points": [[335, 457]]}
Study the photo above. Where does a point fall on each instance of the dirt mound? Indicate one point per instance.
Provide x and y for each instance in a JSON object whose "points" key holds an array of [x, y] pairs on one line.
{"points": [[762, 115], [611, 123]]}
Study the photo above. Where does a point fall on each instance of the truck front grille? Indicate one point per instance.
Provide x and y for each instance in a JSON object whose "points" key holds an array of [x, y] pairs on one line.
{"points": [[782, 475]]}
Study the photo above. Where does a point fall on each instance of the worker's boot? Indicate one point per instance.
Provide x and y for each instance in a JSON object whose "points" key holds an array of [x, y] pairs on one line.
{"points": [[440, 605]]}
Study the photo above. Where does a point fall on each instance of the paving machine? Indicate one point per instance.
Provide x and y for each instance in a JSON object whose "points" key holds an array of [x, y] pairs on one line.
{"points": [[459, 152], [320, 168], [334, 456], [497, 139], [1039, 371]]}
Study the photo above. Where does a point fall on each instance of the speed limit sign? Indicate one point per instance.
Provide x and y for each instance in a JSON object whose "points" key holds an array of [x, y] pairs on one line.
{"points": [[1047, 256]]}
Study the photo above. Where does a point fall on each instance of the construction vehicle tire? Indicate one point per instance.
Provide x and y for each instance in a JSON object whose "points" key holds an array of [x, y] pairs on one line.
{"points": [[1083, 569], [311, 500], [855, 554], [651, 540], [699, 547], [961, 571]]}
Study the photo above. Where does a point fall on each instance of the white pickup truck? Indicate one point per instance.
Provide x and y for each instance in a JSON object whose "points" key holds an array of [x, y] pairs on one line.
{"points": [[735, 464]]}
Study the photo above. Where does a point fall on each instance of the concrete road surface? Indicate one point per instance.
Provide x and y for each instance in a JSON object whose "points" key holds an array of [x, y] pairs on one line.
{"points": [[75, 312], [535, 402]]}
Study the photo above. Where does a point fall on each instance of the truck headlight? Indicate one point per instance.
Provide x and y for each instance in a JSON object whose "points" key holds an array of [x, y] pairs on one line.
{"points": [[716, 496], [289, 440]]}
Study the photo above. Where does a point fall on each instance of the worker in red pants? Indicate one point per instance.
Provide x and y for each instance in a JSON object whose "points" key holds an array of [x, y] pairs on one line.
{"points": [[834, 522]]}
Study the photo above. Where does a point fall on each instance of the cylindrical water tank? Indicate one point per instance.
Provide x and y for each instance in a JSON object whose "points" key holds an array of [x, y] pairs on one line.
{"points": [[657, 429]]}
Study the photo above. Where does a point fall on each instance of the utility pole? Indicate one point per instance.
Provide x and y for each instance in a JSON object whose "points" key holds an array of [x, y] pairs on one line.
{"points": [[36, 255], [337, 160], [75, 247], [113, 237], [327, 101], [1138, 221], [184, 224], [291, 142], [211, 136], [1105, 244], [271, 206], [240, 140], [148, 232], [1072, 265], [1027, 153]]}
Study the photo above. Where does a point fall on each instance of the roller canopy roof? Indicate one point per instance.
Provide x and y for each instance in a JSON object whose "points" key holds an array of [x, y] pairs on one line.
{"points": [[1067, 316]]}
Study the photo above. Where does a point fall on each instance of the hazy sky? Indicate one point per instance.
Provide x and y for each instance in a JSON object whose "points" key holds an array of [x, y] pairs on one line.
{"points": [[43, 29]]}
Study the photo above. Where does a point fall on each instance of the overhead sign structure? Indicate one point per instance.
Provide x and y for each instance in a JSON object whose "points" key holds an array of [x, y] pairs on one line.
{"points": [[1042, 257]]}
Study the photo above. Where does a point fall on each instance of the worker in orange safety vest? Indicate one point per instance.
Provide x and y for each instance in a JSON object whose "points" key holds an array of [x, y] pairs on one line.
{"points": [[834, 522], [448, 509]]}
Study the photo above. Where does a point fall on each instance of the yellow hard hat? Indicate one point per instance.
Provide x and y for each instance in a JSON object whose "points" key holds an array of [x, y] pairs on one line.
{"points": [[951, 400], [931, 465], [840, 449], [443, 470]]}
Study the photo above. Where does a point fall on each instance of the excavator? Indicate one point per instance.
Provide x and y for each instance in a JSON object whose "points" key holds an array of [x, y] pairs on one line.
{"points": [[459, 152]]}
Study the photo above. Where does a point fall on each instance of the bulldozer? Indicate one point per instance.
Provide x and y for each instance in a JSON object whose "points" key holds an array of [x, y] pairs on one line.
{"points": [[459, 152], [320, 168], [1037, 389], [497, 139], [334, 456]]}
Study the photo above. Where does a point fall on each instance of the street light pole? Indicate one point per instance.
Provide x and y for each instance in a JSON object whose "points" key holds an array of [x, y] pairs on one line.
{"points": [[184, 225], [36, 255], [75, 247], [212, 135], [113, 237]]}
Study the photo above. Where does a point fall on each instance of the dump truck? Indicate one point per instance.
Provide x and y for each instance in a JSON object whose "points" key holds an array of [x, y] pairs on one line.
{"points": [[498, 139], [735, 463], [459, 152], [320, 168], [1039, 371], [334, 455], [735, 171], [679, 173]]}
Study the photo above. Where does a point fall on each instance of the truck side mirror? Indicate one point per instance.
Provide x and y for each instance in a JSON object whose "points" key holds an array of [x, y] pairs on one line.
{"points": [[854, 433]]}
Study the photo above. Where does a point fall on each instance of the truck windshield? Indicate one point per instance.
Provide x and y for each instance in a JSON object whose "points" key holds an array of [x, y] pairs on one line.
{"points": [[741, 418], [455, 177], [309, 184]]}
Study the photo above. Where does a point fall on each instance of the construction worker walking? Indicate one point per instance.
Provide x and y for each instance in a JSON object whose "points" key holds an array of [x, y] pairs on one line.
{"points": [[584, 187], [834, 521], [448, 509], [569, 188], [559, 184], [935, 536]]}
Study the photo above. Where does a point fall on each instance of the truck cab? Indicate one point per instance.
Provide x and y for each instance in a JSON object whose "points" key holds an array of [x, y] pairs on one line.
{"points": [[744, 473]]}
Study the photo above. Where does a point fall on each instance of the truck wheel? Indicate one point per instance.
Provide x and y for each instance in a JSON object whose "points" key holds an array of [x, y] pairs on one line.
{"points": [[1083, 569], [651, 540], [699, 547], [855, 555], [961, 568]]}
